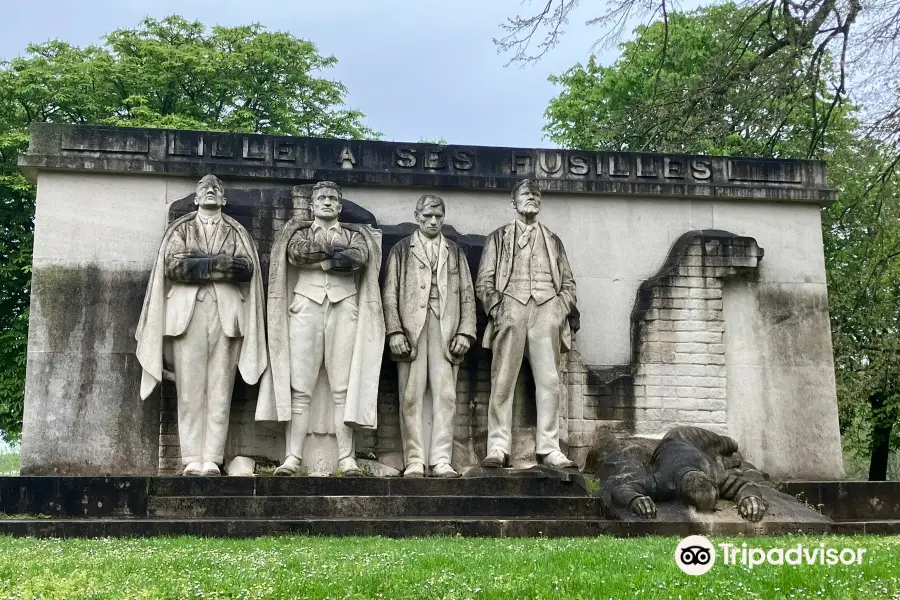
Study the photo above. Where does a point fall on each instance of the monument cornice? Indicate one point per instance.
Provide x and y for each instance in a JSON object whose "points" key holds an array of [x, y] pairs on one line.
{"points": [[56, 147]]}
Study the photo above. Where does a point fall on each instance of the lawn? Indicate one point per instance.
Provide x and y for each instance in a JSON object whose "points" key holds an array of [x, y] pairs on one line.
{"points": [[310, 567]]}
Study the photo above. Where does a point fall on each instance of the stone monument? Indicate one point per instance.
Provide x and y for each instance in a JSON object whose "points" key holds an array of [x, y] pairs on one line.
{"points": [[429, 313], [527, 288], [702, 299], [205, 302], [326, 328]]}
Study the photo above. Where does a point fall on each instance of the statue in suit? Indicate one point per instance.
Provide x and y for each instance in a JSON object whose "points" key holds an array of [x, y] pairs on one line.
{"points": [[325, 322], [429, 313], [527, 289], [205, 298]]}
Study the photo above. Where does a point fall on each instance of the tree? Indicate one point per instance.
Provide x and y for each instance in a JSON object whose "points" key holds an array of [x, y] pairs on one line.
{"points": [[170, 73], [818, 29], [657, 94], [657, 97]]}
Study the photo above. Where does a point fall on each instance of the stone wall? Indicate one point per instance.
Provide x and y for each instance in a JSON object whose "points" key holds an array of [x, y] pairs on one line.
{"points": [[103, 203], [679, 332]]}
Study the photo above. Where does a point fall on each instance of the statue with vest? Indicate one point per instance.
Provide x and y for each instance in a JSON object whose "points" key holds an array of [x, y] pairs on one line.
{"points": [[527, 289], [429, 313], [326, 330]]}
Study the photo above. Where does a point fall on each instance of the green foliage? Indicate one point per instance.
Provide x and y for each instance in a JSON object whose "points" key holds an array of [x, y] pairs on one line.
{"points": [[16, 234], [862, 254], [9, 463], [372, 567], [170, 73], [679, 88]]}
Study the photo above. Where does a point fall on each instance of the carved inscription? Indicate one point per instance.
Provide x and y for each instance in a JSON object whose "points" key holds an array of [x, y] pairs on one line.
{"points": [[425, 158]]}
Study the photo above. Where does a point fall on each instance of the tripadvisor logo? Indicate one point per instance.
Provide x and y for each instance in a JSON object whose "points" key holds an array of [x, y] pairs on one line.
{"points": [[695, 555]]}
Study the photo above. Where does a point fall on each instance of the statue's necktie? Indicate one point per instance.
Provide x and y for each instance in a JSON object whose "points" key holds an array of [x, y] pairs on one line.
{"points": [[525, 237]]}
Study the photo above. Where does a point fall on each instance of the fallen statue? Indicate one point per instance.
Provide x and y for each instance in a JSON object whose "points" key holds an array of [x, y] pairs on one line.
{"points": [[689, 463]]}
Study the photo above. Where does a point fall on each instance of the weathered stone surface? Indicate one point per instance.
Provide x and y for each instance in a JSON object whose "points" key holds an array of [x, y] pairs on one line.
{"points": [[82, 377], [691, 475], [66, 147], [118, 506], [377, 469], [204, 297], [73, 497], [782, 406], [240, 466], [325, 331], [783, 511], [632, 227], [283, 507], [849, 500], [540, 472]]}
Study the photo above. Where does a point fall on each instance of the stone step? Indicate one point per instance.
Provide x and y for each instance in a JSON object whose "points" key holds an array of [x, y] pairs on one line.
{"points": [[385, 507], [415, 527], [364, 486], [856, 501]]}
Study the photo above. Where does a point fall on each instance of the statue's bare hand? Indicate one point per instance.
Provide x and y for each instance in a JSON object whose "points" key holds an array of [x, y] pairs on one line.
{"points": [[752, 508], [399, 345], [460, 345], [643, 506]]}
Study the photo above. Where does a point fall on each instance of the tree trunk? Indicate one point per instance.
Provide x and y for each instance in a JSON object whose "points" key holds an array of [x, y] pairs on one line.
{"points": [[882, 425]]}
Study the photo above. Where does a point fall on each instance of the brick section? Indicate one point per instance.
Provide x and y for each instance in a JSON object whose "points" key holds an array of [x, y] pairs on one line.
{"points": [[678, 333]]}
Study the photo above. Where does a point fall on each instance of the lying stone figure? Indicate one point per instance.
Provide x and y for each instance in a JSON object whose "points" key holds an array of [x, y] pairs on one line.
{"points": [[689, 463]]}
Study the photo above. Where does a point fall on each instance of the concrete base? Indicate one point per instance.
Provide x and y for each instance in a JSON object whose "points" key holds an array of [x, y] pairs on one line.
{"points": [[481, 506]]}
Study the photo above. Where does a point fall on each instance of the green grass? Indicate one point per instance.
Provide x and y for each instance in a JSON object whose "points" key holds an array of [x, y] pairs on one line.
{"points": [[309, 567]]}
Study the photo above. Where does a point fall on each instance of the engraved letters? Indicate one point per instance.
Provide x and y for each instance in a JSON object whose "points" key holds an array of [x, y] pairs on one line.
{"points": [[646, 167], [701, 169], [618, 166], [673, 168], [578, 165], [463, 160], [547, 165], [521, 162], [346, 159], [406, 157], [435, 159], [586, 166], [285, 150]]}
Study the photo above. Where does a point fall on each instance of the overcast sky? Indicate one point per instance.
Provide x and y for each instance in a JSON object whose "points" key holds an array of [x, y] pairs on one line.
{"points": [[417, 68]]}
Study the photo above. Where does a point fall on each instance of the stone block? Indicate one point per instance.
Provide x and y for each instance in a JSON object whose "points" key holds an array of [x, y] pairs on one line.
{"points": [[123, 434], [240, 466]]}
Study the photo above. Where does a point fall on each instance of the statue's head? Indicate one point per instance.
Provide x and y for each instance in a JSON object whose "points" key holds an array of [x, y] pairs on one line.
{"points": [[210, 193], [526, 198], [430, 213], [698, 489], [326, 200]]}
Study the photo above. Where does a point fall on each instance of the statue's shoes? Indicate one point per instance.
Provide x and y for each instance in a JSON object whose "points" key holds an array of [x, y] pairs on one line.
{"points": [[289, 467], [414, 470], [495, 459], [211, 469], [443, 470], [349, 467], [193, 469], [558, 460]]}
